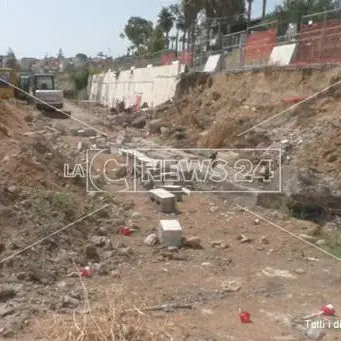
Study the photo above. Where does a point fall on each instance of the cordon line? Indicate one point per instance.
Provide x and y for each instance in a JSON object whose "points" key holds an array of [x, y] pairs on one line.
{"points": [[288, 232]]}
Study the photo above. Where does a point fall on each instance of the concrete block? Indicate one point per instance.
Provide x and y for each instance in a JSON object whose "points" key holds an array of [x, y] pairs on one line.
{"points": [[174, 189], [165, 199], [170, 233]]}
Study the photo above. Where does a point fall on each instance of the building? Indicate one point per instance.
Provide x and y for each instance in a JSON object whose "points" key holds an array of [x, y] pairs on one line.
{"points": [[26, 63]]}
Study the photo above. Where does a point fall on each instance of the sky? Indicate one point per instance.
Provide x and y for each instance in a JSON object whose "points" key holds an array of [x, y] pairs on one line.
{"points": [[33, 28]]}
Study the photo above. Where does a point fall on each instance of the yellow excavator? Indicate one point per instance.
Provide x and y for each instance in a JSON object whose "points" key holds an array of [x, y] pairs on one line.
{"points": [[37, 89], [8, 76]]}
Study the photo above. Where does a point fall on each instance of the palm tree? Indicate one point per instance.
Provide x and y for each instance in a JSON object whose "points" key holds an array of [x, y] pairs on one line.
{"points": [[166, 22], [178, 14], [249, 9], [173, 40], [11, 60], [176, 11], [191, 8], [263, 9], [232, 11]]}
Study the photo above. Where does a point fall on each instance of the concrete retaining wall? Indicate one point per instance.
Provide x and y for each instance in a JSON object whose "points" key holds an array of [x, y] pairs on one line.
{"points": [[155, 85]]}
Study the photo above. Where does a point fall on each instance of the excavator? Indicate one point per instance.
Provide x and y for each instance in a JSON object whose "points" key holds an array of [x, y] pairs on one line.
{"points": [[23, 84], [41, 86], [47, 97], [37, 88]]}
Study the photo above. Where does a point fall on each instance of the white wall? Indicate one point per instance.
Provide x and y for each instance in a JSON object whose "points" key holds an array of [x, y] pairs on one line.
{"points": [[156, 85]]}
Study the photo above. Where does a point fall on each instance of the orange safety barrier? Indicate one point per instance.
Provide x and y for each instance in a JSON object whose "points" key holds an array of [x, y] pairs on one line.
{"points": [[168, 58], [137, 103], [259, 45], [319, 43], [293, 100], [186, 58]]}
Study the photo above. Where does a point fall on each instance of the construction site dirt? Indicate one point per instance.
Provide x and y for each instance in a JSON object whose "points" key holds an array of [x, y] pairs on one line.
{"points": [[86, 264]]}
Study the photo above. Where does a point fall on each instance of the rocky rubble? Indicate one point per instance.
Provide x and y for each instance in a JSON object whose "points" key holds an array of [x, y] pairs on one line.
{"points": [[38, 200], [146, 121], [308, 135]]}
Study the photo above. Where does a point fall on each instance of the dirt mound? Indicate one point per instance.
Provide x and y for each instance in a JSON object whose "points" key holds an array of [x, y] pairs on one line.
{"points": [[234, 103], [36, 201], [258, 110], [29, 158], [13, 119], [218, 116]]}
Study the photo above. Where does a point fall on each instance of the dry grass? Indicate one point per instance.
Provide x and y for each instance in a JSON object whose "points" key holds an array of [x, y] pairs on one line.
{"points": [[118, 321]]}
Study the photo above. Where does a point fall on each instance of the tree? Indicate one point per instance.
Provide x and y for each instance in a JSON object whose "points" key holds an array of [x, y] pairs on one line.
{"points": [[173, 39], [80, 78], [81, 60], [190, 8], [138, 31], [232, 11], [157, 40], [79, 74], [177, 11], [292, 11], [249, 10], [11, 60], [60, 54], [133, 50], [263, 9], [166, 22]]}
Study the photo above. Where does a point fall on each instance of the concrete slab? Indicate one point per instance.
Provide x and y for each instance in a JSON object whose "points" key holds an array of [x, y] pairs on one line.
{"points": [[170, 233], [186, 191], [214, 63], [282, 54]]}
